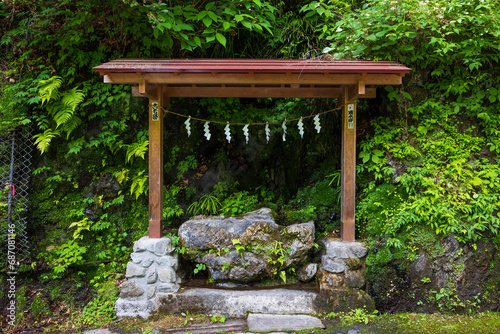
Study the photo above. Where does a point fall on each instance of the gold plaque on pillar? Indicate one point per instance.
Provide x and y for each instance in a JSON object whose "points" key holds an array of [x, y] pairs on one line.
{"points": [[350, 116], [154, 111]]}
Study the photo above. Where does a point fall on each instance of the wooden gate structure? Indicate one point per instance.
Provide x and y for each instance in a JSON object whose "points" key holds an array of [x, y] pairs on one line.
{"points": [[345, 80]]}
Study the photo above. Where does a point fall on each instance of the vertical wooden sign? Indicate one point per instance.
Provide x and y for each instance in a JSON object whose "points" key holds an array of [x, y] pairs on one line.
{"points": [[348, 178], [156, 165]]}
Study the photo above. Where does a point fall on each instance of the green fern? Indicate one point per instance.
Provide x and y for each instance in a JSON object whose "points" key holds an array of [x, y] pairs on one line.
{"points": [[71, 125], [138, 149], [49, 89], [61, 108], [42, 140], [66, 108], [139, 184]]}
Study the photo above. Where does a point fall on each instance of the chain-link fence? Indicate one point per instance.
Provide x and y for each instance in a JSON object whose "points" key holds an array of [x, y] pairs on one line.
{"points": [[16, 151]]}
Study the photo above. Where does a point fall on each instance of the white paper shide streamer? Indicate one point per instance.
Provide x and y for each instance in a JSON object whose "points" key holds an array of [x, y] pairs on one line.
{"points": [[267, 130], [245, 132], [207, 131], [317, 126], [227, 131], [188, 126], [300, 125], [284, 130]]}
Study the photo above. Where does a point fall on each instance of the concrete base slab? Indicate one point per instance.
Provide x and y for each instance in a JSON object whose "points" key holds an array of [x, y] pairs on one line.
{"points": [[265, 323], [237, 304]]}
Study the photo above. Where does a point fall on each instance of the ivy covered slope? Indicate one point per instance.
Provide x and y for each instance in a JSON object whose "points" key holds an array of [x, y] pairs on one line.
{"points": [[428, 174]]}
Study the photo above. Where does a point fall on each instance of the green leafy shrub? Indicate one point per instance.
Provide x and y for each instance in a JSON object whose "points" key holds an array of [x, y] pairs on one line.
{"points": [[303, 215], [441, 188], [21, 303], [317, 203], [101, 310], [171, 208], [239, 203], [39, 307], [207, 205]]}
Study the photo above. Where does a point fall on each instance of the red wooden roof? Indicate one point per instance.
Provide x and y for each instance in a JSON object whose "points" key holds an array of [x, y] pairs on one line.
{"points": [[250, 66]]}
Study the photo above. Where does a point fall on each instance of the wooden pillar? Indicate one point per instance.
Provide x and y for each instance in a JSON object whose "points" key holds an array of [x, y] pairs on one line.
{"points": [[156, 164], [348, 165]]}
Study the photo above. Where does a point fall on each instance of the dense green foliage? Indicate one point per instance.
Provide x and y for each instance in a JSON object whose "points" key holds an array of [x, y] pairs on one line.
{"points": [[447, 174], [428, 151]]}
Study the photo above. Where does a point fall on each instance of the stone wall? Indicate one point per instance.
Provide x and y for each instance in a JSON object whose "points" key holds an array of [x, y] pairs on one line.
{"points": [[153, 269], [342, 277], [153, 276]]}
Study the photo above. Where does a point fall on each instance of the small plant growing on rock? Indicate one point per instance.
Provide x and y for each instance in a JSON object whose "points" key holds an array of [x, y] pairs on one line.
{"points": [[283, 275], [188, 318], [199, 267], [425, 280], [221, 319], [239, 247], [354, 264]]}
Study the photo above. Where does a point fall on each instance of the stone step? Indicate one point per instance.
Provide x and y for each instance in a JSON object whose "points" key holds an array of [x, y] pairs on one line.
{"points": [[237, 304], [233, 326], [265, 323]]}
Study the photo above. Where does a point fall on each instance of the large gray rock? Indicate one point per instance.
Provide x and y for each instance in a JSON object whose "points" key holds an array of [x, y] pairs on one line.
{"points": [[300, 239], [337, 252], [234, 266], [218, 232], [263, 248]]}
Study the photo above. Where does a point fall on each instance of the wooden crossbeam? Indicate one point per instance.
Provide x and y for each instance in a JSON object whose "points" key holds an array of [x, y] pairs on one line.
{"points": [[254, 92], [257, 79]]}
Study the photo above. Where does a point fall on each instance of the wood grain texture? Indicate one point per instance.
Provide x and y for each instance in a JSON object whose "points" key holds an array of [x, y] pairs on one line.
{"points": [[348, 176], [156, 167], [257, 79], [254, 92]]}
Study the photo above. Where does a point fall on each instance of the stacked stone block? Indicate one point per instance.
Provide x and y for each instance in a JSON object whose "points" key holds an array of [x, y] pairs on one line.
{"points": [[153, 269], [341, 276]]}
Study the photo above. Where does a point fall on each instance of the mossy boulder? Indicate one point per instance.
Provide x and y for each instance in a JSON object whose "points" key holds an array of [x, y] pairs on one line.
{"points": [[247, 248]]}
